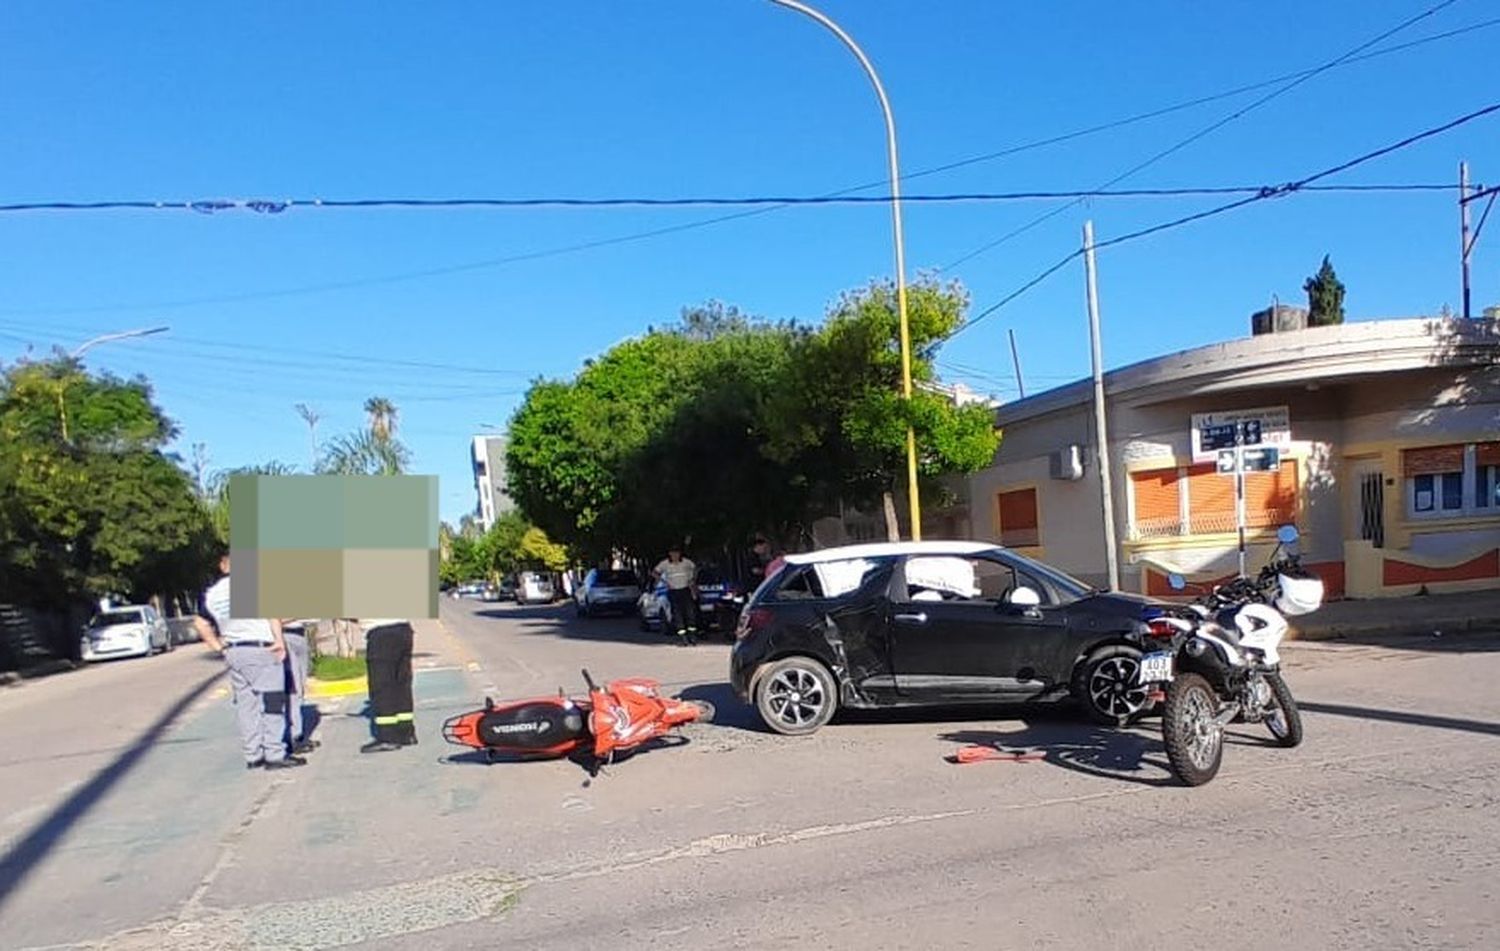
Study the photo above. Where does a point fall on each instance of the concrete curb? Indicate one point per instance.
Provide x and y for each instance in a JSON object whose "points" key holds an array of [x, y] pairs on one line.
{"points": [[1393, 627], [321, 689]]}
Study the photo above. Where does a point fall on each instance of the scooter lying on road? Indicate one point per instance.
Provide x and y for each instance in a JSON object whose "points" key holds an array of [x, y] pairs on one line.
{"points": [[1218, 660], [621, 715]]}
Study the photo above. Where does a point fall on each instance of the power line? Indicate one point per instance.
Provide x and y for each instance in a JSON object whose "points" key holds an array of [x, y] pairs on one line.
{"points": [[723, 219], [1276, 192], [1178, 107], [691, 202], [1206, 130]]}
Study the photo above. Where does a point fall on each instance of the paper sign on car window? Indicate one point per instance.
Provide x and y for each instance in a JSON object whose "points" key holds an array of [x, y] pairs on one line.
{"points": [[942, 573], [841, 577]]}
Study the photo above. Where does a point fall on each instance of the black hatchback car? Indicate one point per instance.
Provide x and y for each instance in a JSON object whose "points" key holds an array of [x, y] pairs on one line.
{"points": [[934, 623]]}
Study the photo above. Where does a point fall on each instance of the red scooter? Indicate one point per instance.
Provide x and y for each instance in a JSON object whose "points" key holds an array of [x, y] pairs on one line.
{"points": [[621, 715]]}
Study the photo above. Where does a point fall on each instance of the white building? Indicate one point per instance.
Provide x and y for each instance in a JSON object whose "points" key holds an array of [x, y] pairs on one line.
{"points": [[488, 457]]}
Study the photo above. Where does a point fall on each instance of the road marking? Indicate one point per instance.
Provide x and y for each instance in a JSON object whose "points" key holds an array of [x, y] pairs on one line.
{"points": [[227, 849]]}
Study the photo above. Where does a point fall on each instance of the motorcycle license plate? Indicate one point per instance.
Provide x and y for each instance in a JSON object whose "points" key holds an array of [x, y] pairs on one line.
{"points": [[1156, 667]]}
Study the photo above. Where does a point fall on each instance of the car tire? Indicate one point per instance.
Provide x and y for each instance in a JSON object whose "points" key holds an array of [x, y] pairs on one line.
{"points": [[796, 696], [1107, 687]]}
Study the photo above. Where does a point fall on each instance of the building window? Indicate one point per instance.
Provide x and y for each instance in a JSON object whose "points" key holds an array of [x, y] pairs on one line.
{"points": [[1019, 525], [1452, 481], [1198, 500]]}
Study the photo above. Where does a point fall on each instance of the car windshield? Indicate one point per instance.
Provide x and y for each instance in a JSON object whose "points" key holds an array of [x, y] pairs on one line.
{"points": [[615, 579], [111, 618], [710, 576]]}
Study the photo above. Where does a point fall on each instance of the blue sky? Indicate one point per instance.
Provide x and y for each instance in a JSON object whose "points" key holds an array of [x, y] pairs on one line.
{"points": [[188, 100]]}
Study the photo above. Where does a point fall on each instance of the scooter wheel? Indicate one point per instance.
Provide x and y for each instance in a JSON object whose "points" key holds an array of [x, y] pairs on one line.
{"points": [[706, 710]]}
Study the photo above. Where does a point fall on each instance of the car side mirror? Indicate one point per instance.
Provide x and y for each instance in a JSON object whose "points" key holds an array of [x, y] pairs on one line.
{"points": [[1177, 582], [1287, 534], [1024, 597]]}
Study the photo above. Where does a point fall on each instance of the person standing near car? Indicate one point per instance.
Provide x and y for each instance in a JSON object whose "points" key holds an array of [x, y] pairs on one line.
{"points": [[254, 650], [681, 578], [388, 650], [298, 656]]}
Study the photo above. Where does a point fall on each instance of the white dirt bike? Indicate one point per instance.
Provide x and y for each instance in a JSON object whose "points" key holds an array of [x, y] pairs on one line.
{"points": [[1217, 661]]}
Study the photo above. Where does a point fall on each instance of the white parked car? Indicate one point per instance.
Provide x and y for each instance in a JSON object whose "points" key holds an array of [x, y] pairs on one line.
{"points": [[605, 591], [534, 587], [131, 630]]}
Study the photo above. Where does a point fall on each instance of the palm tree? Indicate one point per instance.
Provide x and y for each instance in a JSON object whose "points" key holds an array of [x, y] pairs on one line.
{"points": [[363, 452], [310, 416], [382, 413]]}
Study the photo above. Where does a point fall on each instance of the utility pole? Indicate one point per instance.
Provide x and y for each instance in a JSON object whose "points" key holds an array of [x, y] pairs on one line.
{"points": [[1101, 435], [1463, 245], [1015, 358]]}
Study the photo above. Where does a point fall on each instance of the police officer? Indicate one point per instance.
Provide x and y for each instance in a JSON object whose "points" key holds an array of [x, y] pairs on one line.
{"points": [[681, 577], [254, 650], [388, 650], [297, 658]]}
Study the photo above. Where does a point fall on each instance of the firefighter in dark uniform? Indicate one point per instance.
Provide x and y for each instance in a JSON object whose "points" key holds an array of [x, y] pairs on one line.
{"points": [[388, 650]]}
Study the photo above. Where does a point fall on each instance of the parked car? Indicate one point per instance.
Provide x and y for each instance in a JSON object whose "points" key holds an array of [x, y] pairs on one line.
{"points": [[719, 602], [534, 587], [605, 590], [489, 592], [653, 608], [506, 589], [933, 623], [131, 630]]}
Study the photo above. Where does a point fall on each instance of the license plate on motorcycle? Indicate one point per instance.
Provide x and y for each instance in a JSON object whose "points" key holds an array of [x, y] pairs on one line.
{"points": [[1156, 667]]}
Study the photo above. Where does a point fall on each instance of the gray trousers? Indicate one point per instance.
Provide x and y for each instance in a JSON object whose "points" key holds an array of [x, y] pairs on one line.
{"points": [[258, 682], [296, 681]]}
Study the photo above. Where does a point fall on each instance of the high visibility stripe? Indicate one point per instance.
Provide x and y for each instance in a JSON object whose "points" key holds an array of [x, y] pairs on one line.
{"points": [[405, 717], [387, 721]]}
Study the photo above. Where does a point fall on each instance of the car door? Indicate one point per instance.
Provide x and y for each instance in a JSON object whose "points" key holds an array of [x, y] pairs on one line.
{"points": [[962, 638]]}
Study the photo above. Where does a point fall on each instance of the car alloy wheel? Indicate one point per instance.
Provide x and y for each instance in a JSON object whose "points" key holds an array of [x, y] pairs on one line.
{"points": [[1114, 688], [795, 697]]}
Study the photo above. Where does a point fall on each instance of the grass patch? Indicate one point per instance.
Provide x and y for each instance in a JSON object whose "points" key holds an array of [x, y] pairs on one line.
{"points": [[329, 667]]}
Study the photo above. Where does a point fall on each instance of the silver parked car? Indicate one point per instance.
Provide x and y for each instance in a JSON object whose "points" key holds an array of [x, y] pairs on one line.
{"points": [[131, 630]]}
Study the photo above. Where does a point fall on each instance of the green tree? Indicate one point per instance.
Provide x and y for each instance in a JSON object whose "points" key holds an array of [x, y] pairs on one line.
{"points": [[382, 414], [105, 511], [1325, 297], [724, 424]]}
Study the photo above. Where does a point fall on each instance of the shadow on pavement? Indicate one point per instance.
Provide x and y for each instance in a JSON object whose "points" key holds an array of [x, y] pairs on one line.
{"points": [[1103, 752], [729, 711], [560, 621], [1450, 642], [1400, 716], [582, 758], [23, 857]]}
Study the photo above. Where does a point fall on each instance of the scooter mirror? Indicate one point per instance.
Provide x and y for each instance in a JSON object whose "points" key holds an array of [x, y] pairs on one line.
{"points": [[1178, 582], [1287, 534]]}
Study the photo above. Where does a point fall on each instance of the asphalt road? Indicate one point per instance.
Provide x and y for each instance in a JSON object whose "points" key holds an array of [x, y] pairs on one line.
{"points": [[1379, 832]]}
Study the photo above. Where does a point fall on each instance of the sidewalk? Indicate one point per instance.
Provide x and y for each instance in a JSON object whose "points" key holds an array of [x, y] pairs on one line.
{"points": [[1385, 617]]}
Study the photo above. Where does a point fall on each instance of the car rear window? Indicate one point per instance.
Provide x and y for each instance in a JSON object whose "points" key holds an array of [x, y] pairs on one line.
{"points": [[615, 579], [117, 617]]}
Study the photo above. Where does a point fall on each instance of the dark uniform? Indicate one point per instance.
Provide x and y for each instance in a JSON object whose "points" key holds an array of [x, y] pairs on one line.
{"points": [[388, 654]]}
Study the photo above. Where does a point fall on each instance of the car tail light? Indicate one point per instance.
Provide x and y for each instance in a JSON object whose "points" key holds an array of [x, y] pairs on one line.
{"points": [[752, 621], [1160, 627]]}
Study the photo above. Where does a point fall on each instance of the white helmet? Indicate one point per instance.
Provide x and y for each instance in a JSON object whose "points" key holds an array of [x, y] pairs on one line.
{"points": [[1298, 595]]}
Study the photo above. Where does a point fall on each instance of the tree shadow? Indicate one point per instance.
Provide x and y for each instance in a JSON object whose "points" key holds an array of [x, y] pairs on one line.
{"points": [[562, 623], [22, 858], [1457, 642], [1401, 716]]}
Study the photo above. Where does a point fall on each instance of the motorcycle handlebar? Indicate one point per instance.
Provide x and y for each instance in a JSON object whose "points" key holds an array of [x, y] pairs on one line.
{"points": [[590, 681]]}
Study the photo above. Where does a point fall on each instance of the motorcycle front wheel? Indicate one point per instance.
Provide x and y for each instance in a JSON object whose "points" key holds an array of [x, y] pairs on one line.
{"points": [[1190, 730], [1284, 720]]}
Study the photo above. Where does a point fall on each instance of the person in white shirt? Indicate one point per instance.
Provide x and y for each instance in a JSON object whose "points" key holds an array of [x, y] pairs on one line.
{"points": [[681, 577], [254, 650]]}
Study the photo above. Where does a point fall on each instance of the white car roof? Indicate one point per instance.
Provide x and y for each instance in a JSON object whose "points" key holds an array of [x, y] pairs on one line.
{"points": [[888, 549]]}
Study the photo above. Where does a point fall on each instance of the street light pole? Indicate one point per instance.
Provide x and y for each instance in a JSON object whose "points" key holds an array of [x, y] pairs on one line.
{"points": [[895, 175], [62, 384]]}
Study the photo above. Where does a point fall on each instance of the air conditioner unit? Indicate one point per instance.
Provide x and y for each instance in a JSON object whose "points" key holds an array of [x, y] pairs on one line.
{"points": [[1067, 463]]}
